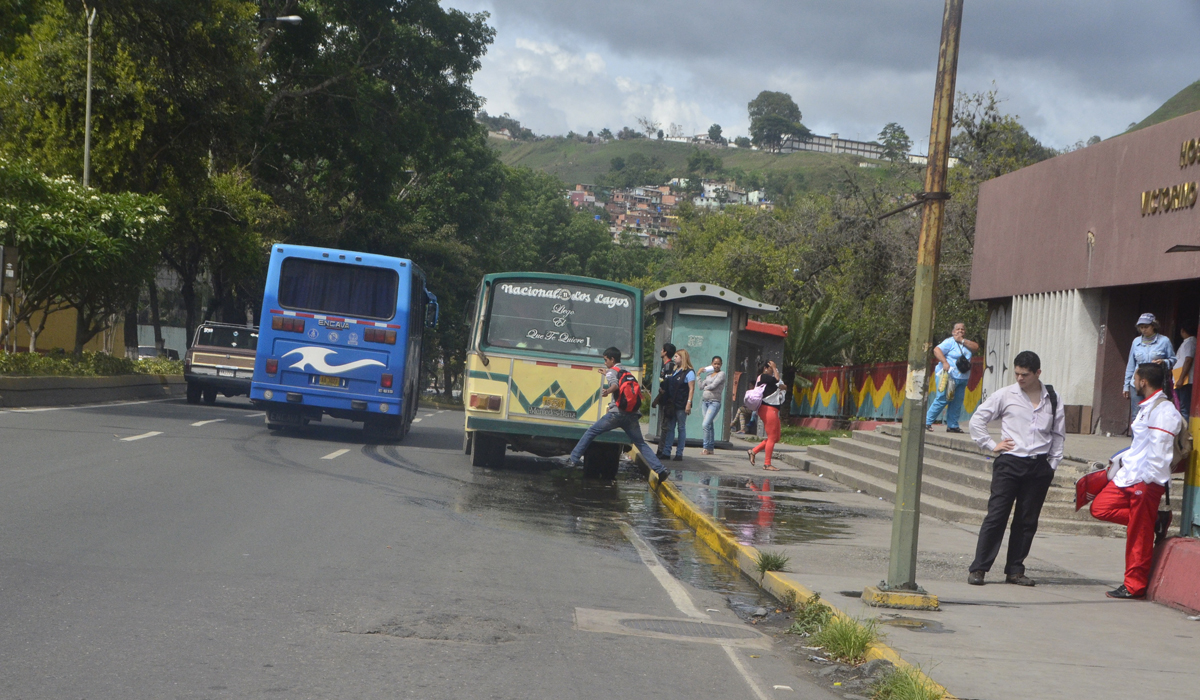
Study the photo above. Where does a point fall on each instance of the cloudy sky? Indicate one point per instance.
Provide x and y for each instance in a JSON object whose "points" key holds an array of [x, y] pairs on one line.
{"points": [[1068, 68]]}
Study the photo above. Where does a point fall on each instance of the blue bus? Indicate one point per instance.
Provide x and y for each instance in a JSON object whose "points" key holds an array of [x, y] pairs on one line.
{"points": [[340, 335]]}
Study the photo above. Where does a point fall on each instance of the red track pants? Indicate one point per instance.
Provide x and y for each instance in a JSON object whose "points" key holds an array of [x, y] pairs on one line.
{"points": [[1135, 507], [769, 415]]}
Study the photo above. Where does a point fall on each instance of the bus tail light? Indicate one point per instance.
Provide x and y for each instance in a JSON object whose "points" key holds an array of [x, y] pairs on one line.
{"points": [[483, 402], [289, 324], [385, 380], [272, 366], [379, 335]]}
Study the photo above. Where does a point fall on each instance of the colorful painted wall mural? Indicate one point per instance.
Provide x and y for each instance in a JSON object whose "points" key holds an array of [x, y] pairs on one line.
{"points": [[870, 392]]}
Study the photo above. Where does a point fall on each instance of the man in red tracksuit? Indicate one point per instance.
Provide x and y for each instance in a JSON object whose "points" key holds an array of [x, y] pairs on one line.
{"points": [[1132, 497]]}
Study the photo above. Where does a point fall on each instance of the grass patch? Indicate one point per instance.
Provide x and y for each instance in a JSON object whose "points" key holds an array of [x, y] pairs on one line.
{"points": [[58, 363], [846, 639], [795, 435], [906, 683], [771, 561], [811, 616]]}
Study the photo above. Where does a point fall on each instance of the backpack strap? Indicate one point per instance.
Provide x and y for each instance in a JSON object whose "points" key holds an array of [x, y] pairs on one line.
{"points": [[1053, 405]]}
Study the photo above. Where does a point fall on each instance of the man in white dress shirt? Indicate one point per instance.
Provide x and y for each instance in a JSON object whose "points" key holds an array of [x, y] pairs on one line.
{"points": [[1132, 497], [1032, 427]]}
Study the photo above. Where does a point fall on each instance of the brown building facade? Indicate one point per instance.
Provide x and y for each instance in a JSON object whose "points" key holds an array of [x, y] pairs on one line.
{"points": [[1068, 253]]}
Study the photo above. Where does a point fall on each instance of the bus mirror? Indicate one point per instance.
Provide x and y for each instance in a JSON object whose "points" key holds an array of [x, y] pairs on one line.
{"points": [[432, 313]]}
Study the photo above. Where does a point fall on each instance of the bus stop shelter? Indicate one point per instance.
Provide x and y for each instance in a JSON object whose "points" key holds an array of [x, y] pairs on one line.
{"points": [[708, 320]]}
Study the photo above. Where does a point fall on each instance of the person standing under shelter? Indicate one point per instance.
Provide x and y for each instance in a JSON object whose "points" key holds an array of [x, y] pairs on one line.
{"points": [[666, 410], [954, 369], [1131, 498], [1032, 428], [1149, 346], [615, 417], [713, 386], [681, 389], [1185, 362]]}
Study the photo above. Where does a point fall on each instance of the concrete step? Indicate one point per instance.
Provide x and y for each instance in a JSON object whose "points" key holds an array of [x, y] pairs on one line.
{"points": [[977, 459], [1059, 501], [931, 505]]}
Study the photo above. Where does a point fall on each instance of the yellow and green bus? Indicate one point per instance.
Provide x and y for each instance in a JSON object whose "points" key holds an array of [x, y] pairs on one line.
{"points": [[534, 367]]}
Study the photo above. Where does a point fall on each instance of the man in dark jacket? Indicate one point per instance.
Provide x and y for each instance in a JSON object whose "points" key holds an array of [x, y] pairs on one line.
{"points": [[665, 408]]}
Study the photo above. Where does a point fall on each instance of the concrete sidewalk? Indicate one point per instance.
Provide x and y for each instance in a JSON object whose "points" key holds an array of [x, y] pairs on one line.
{"points": [[1061, 639]]}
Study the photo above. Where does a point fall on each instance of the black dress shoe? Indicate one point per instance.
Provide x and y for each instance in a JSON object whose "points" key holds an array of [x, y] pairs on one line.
{"points": [[1019, 580], [678, 458], [1162, 526], [1121, 593], [975, 578]]}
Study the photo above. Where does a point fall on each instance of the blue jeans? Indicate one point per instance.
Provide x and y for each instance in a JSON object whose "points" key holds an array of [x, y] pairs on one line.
{"points": [[677, 422], [611, 421], [953, 406], [710, 415]]}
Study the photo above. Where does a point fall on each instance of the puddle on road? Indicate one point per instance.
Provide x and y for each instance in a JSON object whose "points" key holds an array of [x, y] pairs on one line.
{"points": [[539, 494]]}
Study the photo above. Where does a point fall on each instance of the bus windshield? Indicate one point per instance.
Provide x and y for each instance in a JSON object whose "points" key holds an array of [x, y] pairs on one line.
{"points": [[566, 318], [336, 288]]}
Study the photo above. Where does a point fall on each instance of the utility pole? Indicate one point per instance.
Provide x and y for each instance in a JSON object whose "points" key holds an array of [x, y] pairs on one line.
{"points": [[87, 114], [902, 568]]}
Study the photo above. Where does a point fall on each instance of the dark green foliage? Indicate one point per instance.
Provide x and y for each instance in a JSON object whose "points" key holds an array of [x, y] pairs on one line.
{"points": [[895, 141], [714, 134], [774, 115]]}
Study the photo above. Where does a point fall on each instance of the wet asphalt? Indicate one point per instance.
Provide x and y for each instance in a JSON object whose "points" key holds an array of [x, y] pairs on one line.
{"points": [[163, 550]]}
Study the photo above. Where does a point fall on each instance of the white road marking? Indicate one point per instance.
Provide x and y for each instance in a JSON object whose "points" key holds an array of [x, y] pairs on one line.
{"points": [[674, 589], [199, 423], [680, 597], [417, 420], [335, 454], [260, 414], [131, 438], [77, 408]]}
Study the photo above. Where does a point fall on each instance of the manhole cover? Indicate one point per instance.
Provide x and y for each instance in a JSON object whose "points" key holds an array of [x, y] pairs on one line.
{"points": [[683, 628]]}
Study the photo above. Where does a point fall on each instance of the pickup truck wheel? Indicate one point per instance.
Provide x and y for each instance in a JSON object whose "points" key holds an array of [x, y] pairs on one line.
{"points": [[210, 396], [193, 393]]}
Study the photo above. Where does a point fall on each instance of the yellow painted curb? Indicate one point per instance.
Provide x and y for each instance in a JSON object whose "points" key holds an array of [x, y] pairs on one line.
{"points": [[745, 558]]}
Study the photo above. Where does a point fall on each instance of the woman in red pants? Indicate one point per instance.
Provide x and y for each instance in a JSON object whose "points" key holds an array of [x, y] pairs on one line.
{"points": [[774, 395]]}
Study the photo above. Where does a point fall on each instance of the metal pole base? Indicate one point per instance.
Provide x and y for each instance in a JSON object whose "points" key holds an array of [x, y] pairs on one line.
{"points": [[883, 596]]}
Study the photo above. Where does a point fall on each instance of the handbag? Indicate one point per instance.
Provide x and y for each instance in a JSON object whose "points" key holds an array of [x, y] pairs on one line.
{"points": [[754, 397], [963, 364]]}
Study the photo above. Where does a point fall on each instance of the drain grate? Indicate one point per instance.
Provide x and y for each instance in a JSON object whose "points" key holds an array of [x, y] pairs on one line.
{"points": [[684, 628]]}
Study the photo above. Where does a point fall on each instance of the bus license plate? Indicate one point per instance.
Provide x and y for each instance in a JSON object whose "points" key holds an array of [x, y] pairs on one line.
{"points": [[555, 403], [329, 381]]}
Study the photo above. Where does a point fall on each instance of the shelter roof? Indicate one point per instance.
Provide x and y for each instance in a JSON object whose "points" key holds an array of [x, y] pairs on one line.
{"points": [[702, 291]]}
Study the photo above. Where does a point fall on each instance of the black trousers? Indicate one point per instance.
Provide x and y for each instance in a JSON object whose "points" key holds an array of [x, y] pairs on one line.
{"points": [[1020, 480]]}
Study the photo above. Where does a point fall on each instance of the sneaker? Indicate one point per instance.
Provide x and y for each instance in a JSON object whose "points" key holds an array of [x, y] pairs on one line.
{"points": [[573, 463], [955, 430], [1122, 593], [1019, 580], [664, 475], [975, 578]]}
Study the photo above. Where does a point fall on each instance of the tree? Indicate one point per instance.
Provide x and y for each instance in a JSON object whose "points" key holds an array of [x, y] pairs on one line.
{"points": [[714, 134], [79, 248], [628, 134], [896, 143], [606, 134], [703, 164], [816, 339], [742, 142], [774, 115], [649, 126]]}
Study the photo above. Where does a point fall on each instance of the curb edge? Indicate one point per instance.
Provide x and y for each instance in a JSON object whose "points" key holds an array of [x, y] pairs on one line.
{"points": [[745, 559]]}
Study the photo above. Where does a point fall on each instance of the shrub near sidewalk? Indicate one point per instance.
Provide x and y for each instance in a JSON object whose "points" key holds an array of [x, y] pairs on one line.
{"points": [[796, 435], [91, 364], [844, 639], [906, 683]]}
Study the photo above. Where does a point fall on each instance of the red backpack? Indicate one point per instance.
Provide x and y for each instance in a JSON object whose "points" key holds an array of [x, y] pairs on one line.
{"points": [[629, 392]]}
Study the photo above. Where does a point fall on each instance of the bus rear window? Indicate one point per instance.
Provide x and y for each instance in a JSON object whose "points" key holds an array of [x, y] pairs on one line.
{"points": [[338, 289], [574, 319]]}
